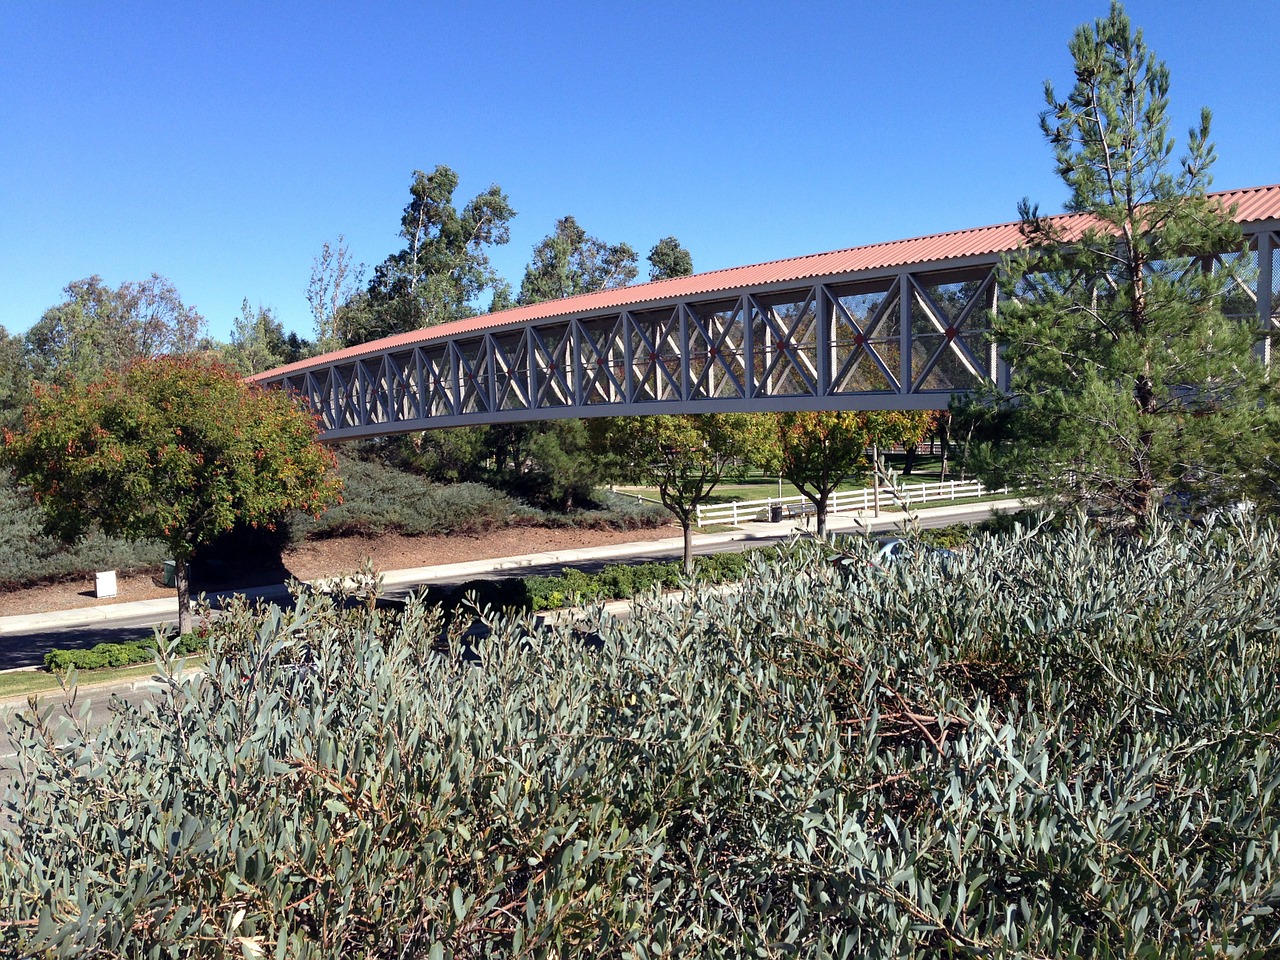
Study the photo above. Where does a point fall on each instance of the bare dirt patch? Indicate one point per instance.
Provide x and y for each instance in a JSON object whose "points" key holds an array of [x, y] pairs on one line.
{"points": [[327, 558]]}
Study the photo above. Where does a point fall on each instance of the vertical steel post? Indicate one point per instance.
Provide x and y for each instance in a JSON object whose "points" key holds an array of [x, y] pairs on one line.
{"points": [[424, 402], [573, 343], [748, 347], [628, 360], [1266, 287], [455, 367], [999, 370], [686, 387], [491, 372], [822, 339], [531, 363], [906, 291]]}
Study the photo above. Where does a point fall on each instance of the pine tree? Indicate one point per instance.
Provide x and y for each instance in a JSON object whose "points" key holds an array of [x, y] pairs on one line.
{"points": [[1130, 384]]}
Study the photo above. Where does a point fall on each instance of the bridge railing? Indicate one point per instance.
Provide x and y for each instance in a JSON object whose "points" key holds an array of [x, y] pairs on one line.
{"points": [[844, 501]]}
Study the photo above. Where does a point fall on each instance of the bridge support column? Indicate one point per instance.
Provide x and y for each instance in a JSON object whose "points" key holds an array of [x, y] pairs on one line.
{"points": [[1266, 287], [686, 387], [905, 294], [822, 346]]}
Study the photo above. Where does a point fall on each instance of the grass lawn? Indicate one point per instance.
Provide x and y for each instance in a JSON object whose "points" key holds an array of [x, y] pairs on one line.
{"points": [[757, 486], [23, 683]]}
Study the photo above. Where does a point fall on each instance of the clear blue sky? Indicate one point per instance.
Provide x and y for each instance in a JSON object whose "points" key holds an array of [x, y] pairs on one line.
{"points": [[220, 144]]}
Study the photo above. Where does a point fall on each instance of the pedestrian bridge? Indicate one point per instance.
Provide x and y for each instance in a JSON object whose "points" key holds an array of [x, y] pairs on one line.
{"points": [[893, 326]]}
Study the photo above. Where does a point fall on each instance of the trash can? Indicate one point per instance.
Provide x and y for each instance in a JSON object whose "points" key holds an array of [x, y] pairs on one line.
{"points": [[170, 576], [775, 512]]}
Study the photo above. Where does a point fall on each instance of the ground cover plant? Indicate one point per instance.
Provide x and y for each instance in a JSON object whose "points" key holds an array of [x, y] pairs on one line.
{"points": [[28, 555], [1048, 746], [382, 494]]}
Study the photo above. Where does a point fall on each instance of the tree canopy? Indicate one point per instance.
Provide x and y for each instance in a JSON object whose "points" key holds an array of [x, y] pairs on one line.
{"points": [[175, 450], [684, 456], [569, 261], [668, 259], [99, 328], [1130, 383], [13, 377], [818, 450], [259, 342], [443, 269], [333, 286]]}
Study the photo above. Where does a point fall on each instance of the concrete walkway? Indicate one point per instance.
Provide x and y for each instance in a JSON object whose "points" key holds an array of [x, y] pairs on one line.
{"points": [[400, 580]]}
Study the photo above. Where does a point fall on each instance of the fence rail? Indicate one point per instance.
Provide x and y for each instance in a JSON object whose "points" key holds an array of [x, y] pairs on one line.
{"points": [[843, 501]]}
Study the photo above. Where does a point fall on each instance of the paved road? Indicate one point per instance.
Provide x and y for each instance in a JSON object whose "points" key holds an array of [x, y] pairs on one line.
{"points": [[28, 649]]}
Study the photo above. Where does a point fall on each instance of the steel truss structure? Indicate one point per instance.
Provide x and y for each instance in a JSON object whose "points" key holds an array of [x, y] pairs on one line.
{"points": [[892, 339]]}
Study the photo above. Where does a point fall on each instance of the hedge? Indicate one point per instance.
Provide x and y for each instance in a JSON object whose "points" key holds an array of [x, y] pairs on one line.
{"points": [[119, 654]]}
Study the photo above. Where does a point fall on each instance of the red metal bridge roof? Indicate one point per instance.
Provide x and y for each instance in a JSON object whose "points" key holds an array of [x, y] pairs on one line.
{"points": [[1252, 204]]}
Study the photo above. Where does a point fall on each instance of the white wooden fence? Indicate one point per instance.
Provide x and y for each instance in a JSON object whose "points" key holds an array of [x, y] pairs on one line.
{"points": [[843, 501]]}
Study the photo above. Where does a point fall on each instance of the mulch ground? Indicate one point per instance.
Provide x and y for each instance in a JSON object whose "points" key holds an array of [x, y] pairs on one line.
{"points": [[331, 557]]}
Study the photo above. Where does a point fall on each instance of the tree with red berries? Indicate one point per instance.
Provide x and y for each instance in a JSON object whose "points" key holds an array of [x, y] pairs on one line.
{"points": [[169, 449]]}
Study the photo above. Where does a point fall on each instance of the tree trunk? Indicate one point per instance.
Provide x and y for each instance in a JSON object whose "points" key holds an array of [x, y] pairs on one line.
{"points": [[182, 578], [909, 453], [1141, 490], [944, 441], [875, 474], [964, 452], [821, 510], [686, 525]]}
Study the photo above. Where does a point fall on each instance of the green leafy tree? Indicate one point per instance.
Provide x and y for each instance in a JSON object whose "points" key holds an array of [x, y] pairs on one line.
{"points": [[156, 321], [669, 259], [13, 377], [175, 450], [332, 288], [99, 328], [79, 338], [563, 465], [910, 428], [451, 455], [684, 456], [569, 261], [259, 342], [1129, 383], [817, 451], [444, 266]]}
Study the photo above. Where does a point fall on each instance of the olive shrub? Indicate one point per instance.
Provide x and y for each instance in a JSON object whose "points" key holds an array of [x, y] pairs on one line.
{"points": [[1054, 745]]}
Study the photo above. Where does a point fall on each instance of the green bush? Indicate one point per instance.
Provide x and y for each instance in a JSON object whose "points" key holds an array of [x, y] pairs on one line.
{"points": [[955, 535], [620, 581], [379, 497], [102, 655], [122, 654], [1059, 746]]}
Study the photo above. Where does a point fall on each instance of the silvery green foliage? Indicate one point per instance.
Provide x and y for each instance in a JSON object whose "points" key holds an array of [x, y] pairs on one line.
{"points": [[1059, 745]]}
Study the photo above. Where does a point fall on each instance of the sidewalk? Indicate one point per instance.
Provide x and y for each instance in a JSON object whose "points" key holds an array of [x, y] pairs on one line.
{"points": [[502, 566]]}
